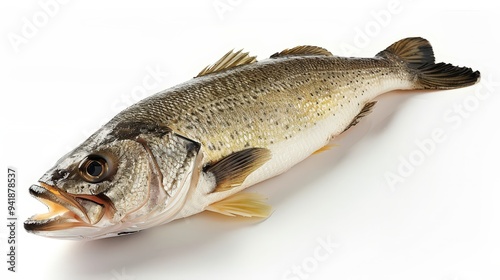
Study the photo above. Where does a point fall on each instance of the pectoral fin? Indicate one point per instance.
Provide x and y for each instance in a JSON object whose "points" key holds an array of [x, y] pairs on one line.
{"points": [[232, 170], [242, 204]]}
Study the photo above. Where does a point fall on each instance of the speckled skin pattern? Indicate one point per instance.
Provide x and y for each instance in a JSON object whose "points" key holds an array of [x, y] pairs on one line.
{"points": [[260, 104]]}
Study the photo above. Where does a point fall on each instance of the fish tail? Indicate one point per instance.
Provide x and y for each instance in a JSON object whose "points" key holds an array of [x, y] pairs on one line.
{"points": [[418, 56]]}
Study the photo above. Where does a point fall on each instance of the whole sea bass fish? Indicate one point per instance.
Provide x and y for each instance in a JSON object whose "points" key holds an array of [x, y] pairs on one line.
{"points": [[196, 146]]}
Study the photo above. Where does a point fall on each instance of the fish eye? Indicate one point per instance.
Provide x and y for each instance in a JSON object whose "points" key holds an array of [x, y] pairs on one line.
{"points": [[94, 168]]}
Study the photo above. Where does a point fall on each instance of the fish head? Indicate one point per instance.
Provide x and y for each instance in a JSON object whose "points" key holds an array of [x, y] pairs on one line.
{"points": [[117, 182]]}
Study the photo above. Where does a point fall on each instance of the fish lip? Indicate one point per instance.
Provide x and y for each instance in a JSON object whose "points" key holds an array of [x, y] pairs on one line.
{"points": [[64, 210]]}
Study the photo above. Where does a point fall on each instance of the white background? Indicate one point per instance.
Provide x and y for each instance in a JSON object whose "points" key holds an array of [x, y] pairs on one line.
{"points": [[65, 79]]}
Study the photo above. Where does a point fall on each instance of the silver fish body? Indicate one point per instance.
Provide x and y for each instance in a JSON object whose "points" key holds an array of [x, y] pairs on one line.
{"points": [[196, 146]]}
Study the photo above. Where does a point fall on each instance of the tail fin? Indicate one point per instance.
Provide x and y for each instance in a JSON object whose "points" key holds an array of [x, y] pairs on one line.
{"points": [[417, 53]]}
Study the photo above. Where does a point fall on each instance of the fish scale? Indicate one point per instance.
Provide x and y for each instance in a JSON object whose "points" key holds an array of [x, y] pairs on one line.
{"points": [[291, 94]]}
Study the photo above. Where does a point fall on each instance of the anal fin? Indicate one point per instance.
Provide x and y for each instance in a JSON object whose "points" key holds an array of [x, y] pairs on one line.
{"points": [[325, 148], [242, 204], [367, 109], [232, 170]]}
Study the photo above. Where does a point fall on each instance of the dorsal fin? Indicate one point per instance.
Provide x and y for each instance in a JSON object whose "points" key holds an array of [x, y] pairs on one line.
{"points": [[229, 60], [303, 50]]}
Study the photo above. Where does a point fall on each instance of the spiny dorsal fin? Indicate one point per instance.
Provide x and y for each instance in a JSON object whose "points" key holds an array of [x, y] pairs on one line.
{"points": [[303, 50], [367, 109], [232, 170], [242, 204], [229, 60]]}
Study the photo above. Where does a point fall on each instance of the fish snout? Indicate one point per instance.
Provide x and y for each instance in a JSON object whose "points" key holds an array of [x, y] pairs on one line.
{"points": [[65, 210]]}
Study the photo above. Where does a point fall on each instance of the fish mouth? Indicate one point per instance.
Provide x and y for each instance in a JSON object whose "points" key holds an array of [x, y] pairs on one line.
{"points": [[65, 210]]}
